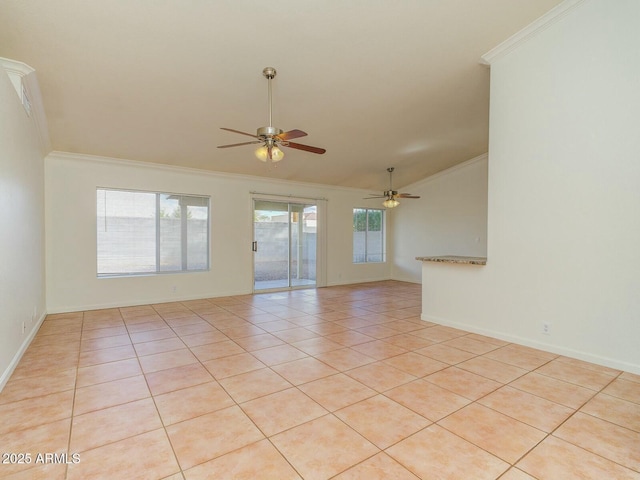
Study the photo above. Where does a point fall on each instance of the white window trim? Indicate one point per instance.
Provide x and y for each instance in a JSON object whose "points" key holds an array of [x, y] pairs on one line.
{"points": [[158, 271]]}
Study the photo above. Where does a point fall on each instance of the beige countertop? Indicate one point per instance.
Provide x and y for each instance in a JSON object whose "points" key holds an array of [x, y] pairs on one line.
{"points": [[455, 259]]}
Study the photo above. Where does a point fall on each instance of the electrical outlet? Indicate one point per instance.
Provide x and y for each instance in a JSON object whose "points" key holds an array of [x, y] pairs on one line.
{"points": [[546, 328], [174, 289]]}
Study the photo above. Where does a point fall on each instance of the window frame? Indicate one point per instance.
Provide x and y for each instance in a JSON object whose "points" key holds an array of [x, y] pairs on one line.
{"points": [[205, 201], [367, 253]]}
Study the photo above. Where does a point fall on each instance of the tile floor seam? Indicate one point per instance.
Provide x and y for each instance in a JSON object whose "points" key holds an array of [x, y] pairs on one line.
{"points": [[589, 452], [487, 451], [539, 396], [586, 449], [357, 463], [236, 450], [571, 383], [182, 469], [448, 414], [396, 442], [484, 376], [77, 369], [464, 440], [285, 457], [579, 410], [546, 434], [476, 401], [157, 410], [550, 434], [617, 398], [607, 421], [73, 402]]}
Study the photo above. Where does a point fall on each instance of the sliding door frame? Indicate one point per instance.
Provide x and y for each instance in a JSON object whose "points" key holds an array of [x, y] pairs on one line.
{"points": [[321, 237]]}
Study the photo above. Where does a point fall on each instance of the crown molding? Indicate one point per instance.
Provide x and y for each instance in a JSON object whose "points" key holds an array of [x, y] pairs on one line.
{"points": [[84, 158], [15, 67], [542, 23], [17, 71], [24, 80]]}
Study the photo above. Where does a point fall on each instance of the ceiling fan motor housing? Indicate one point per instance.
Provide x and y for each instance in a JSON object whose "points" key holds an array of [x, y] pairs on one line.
{"points": [[268, 132]]}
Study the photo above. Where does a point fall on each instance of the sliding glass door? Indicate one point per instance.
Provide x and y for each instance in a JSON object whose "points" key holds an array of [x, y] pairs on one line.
{"points": [[284, 245]]}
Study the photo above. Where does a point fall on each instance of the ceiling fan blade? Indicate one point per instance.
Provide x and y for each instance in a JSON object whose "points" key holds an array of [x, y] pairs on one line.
{"points": [[239, 144], [306, 148], [374, 196], [238, 131], [407, 195], [291, 134]]}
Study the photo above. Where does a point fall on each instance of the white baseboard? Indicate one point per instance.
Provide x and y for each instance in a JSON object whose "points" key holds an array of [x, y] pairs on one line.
{"points": [[183, 298], [4, 378], [358, 281], [559, 350], [406, 278], [146, 301]]}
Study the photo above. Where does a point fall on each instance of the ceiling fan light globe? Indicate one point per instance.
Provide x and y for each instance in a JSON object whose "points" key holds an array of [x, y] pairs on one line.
{"points": [[262, 153], [390, 203], [276, 154]]}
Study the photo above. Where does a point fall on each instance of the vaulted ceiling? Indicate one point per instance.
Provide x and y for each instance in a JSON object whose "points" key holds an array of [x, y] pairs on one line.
{"points": [[376, 83]]}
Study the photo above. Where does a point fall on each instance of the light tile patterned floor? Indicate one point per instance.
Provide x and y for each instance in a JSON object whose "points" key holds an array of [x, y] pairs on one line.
{"points": [[342, 382]]}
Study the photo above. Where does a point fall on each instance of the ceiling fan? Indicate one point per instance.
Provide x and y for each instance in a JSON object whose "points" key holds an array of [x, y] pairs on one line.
{"points": [[391, 195], [273, 138]]}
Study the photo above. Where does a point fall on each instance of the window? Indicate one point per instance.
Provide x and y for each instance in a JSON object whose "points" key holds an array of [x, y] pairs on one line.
{"points": [[368, 235], [148, 232]]}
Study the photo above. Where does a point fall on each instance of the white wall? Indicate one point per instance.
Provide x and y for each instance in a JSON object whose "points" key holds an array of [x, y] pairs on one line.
{"points": [[71, 182], [564, 195], [22, 288], [450, 218]]}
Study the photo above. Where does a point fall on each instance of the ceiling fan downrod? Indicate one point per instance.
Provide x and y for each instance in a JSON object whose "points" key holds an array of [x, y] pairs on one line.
{"points": [[270, 73], [270, 131], [391, 191]]}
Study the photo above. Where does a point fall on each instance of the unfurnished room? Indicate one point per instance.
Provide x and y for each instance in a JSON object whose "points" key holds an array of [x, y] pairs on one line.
{"points": [[319, 240]]}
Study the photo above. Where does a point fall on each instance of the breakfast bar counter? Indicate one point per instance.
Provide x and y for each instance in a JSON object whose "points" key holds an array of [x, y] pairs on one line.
{"points": [[455, 259]]}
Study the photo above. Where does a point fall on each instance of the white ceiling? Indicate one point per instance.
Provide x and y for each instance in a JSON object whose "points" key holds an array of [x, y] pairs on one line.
{"points": [[377, 83]]}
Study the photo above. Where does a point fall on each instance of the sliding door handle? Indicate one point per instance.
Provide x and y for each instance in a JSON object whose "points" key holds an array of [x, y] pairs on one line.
{"points": [[254, 246]]}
